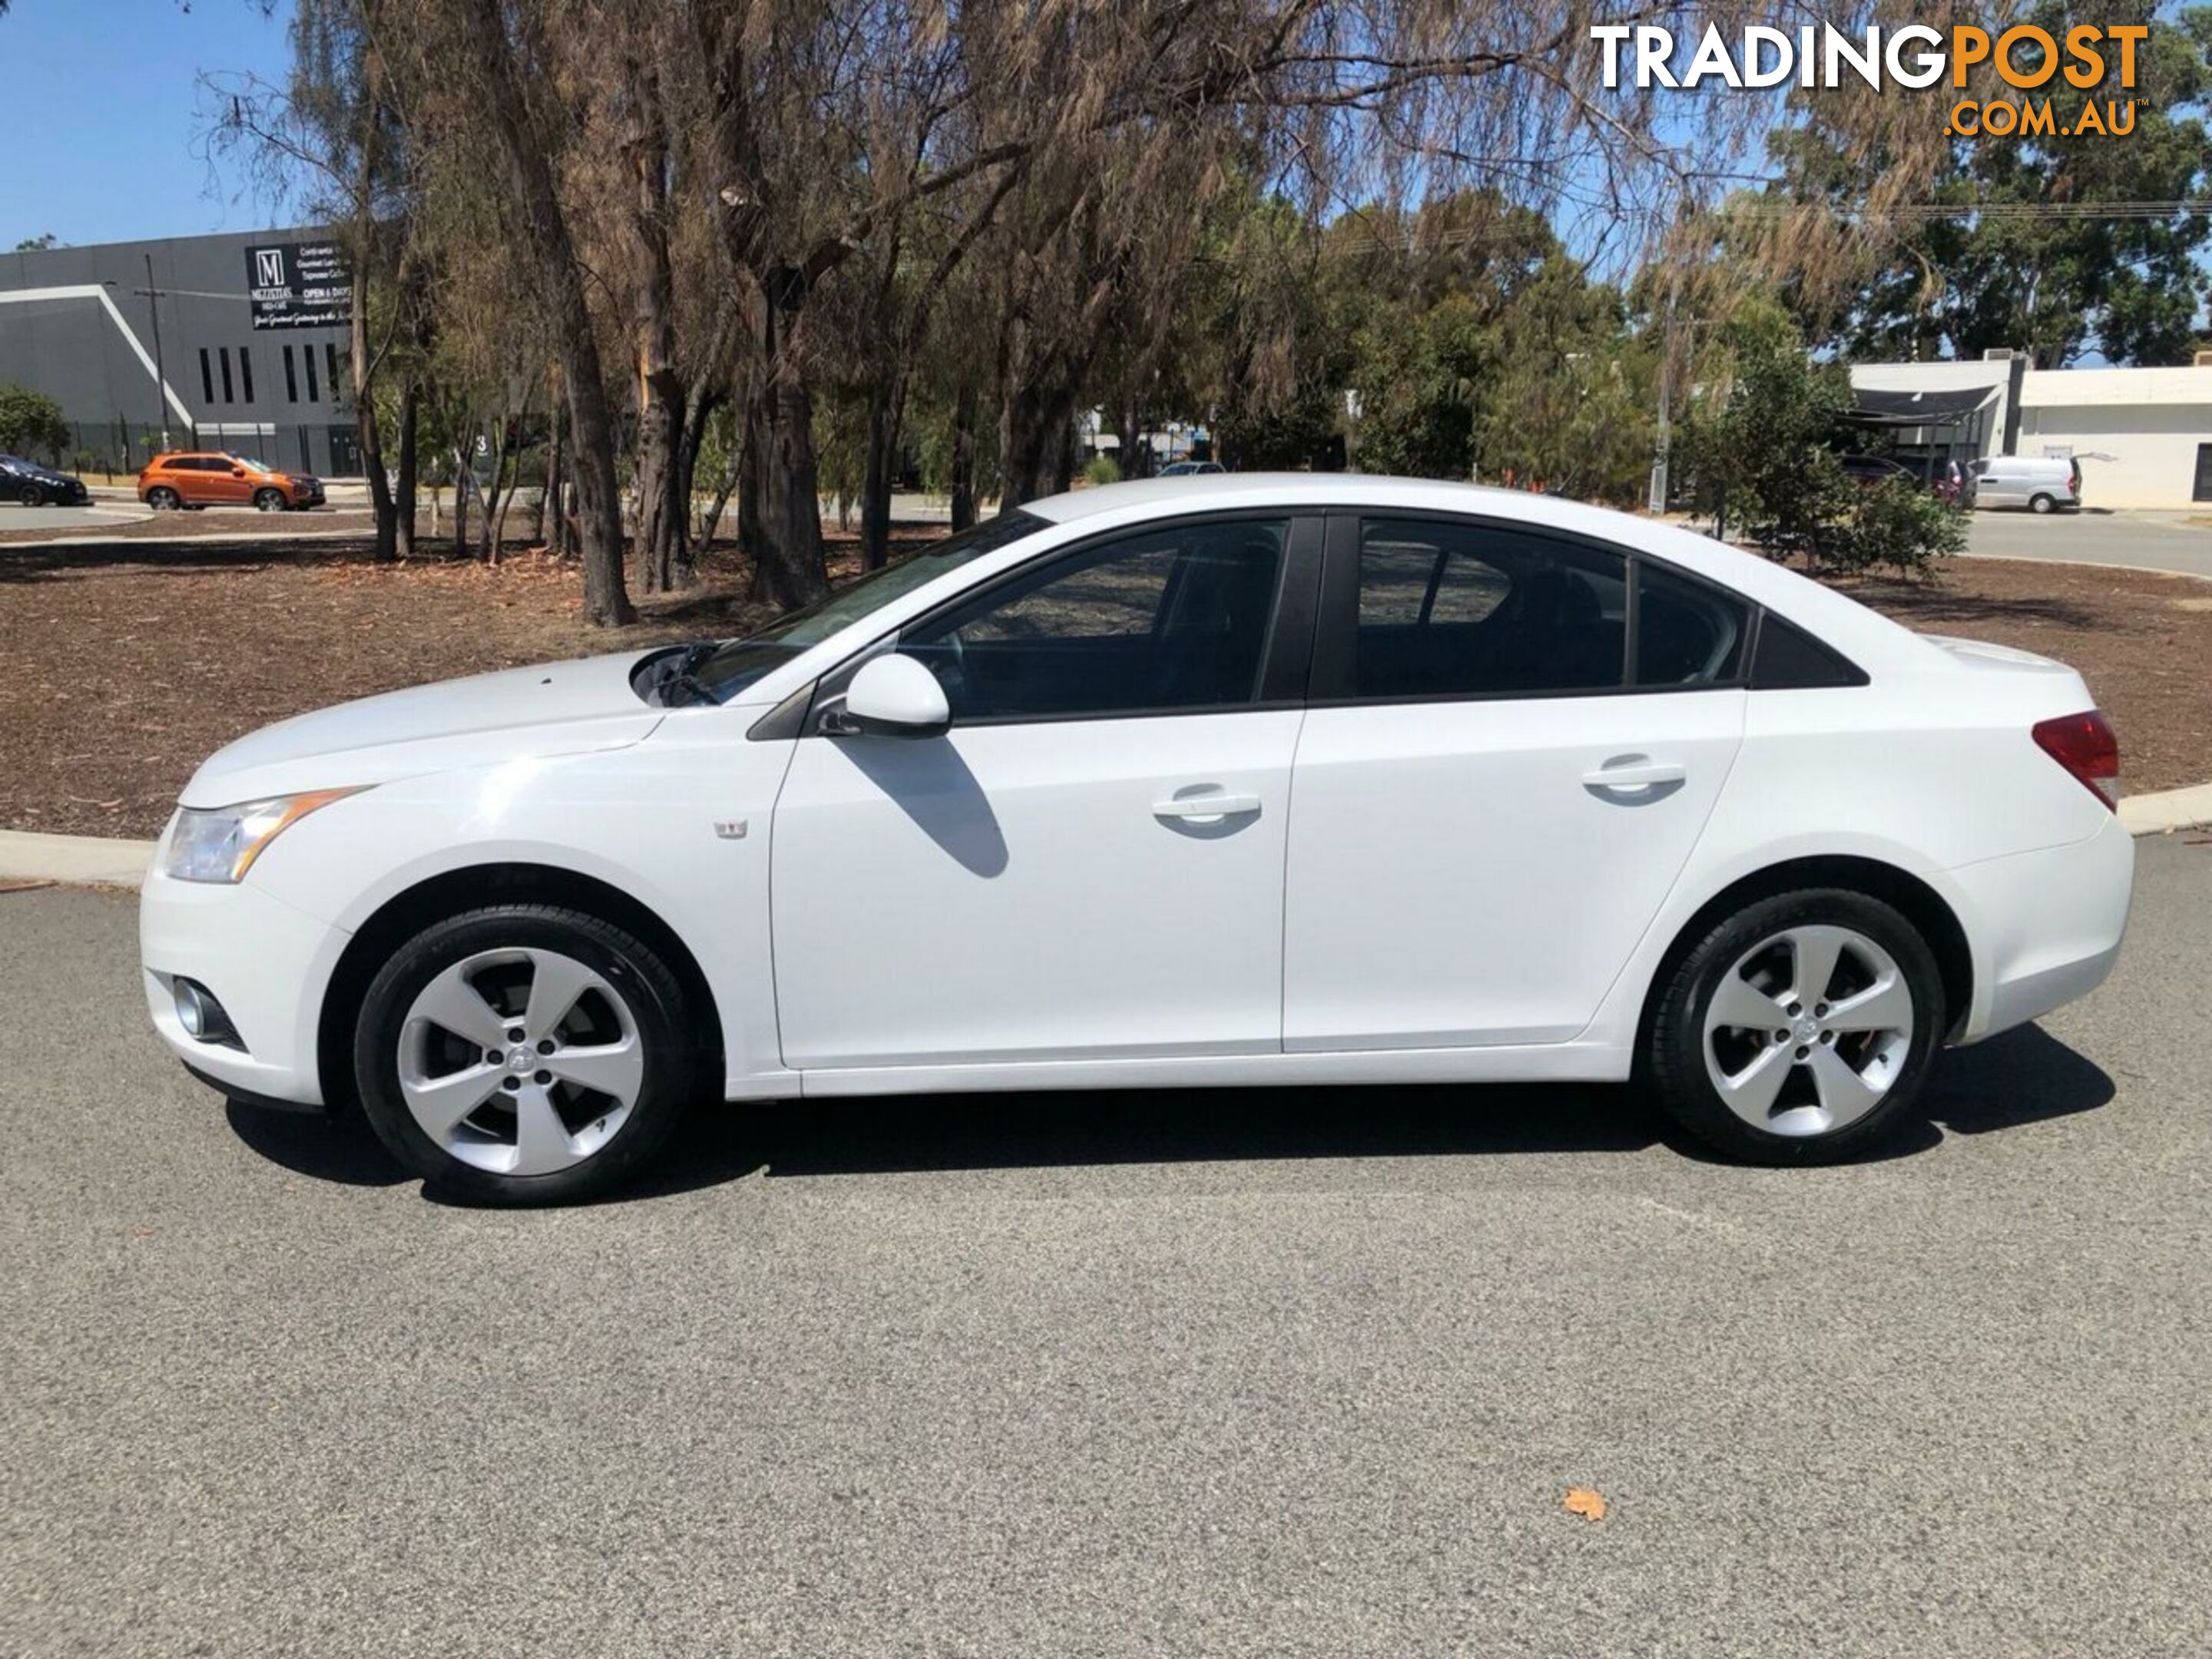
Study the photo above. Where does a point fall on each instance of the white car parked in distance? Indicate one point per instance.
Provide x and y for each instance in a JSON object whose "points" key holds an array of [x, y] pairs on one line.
{"points": [[1241, 780]]}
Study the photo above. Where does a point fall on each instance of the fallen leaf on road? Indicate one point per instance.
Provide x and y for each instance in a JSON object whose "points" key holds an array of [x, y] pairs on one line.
{"points": [[1581, 1501]]}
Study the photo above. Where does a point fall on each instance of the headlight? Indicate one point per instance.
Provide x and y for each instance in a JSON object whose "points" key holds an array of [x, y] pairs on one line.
{"points": [[221, 843]]}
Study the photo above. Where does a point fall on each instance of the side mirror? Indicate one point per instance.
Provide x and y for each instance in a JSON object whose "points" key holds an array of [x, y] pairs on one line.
{"points": [[238, 472], [894, 697]]}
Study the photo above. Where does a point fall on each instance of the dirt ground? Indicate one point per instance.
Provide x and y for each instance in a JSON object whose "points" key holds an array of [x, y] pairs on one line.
{"points": [[124, 666]]}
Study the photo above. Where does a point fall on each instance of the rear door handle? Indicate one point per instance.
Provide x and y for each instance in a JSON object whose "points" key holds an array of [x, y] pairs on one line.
{"points": [[1635, 772], [1205, 806]]}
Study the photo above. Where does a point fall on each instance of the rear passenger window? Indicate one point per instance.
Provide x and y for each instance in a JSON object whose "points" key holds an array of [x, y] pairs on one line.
{"points": [[1458, 610], [1687, 634]]}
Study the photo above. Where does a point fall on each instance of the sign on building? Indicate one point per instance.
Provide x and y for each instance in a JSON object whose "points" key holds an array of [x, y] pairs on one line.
{"points": [[299, 285]]}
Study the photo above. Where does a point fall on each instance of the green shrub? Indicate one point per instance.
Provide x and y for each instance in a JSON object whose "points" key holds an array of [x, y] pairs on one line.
{"points": [[31, 422], [1102, 470], [1897, 526]]}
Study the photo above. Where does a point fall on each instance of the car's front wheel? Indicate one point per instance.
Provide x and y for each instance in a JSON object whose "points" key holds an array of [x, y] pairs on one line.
{"points": [[271, 501], [32, 496], [525, 1053], [1799, 1030]]}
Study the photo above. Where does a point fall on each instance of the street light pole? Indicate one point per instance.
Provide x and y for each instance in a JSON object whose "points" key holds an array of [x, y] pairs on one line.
{"points": [[161, 363]]}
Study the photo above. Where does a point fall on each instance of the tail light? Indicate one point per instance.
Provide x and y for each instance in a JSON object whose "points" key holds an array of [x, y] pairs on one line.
{"points": [[2084, 745]]}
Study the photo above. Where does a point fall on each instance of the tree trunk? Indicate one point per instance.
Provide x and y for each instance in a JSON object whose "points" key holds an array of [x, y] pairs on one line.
{"points": [[787, 558], [404, 503], [1033, 441], [661, 509], [962, 481], [699, 409], [371, 439], [549, 494], [591, 418], [464, 478], [886, 414]]}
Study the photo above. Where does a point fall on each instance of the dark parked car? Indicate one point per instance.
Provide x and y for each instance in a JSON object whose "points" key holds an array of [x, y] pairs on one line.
{"points": [[1947, 481], [40, 486]]}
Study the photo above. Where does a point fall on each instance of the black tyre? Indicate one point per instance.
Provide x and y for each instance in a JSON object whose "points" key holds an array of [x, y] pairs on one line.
{"points": [[525, 1053], [269, 501], [2042, 503], [32, 496], [1798, 1030], [162, 499]]}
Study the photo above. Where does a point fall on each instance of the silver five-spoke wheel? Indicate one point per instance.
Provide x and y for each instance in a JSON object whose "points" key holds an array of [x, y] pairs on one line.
{"points": [[1807, 1030], [520, 1062]]}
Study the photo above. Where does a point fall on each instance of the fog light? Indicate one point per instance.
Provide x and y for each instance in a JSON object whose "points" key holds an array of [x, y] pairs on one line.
{"points": [[202, 1018]]}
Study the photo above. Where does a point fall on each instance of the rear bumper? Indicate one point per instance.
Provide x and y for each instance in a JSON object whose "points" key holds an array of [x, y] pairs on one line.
{"points": [[2046, 926], [266, 962]]}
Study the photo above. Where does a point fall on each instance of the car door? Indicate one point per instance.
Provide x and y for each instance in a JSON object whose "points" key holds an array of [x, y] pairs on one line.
{"points": [[1514, 743], [2002, 487], [1088, 863]]}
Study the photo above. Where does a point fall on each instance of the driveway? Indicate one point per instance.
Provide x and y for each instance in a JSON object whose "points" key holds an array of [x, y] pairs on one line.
{"points": [[2148, 540], [1281, 1372]]}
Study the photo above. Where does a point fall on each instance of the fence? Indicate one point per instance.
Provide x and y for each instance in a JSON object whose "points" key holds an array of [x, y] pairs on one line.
{"points": [[124, 447]]}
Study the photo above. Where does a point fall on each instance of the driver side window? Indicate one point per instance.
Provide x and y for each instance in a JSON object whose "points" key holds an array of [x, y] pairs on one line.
{"points": [[1166, 619]]}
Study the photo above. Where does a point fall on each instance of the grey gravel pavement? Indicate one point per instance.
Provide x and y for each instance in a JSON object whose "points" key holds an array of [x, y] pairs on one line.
{"points": [[1280, 1372]]}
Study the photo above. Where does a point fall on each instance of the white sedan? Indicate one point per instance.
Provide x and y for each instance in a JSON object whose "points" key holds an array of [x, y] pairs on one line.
{"points": [[1242, 780]]}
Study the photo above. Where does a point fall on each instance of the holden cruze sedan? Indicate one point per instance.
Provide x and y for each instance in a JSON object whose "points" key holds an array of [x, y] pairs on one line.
{"points": [[1242, 780]]}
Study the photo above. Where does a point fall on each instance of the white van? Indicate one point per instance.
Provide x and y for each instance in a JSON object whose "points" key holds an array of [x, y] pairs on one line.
{"points": [[2041, 483]]}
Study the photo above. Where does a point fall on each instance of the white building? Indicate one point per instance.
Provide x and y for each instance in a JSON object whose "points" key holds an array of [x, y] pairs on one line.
{"points": [[2143, 436]]}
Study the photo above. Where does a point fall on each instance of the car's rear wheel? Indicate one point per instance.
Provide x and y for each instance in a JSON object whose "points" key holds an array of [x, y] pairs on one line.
{"points": [[32, 496], [1798, 1030], [2042, 503], [525, 1055], [271, 501], [162, 499]]}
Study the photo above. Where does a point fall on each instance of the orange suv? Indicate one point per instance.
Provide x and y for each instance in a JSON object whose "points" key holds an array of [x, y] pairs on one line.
{"points": [[171, 482]]}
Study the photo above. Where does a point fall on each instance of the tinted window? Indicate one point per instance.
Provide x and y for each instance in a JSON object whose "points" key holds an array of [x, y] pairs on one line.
{"points": [[1168, 619], [1450, 611], [1687, 634], [1791, 659]]}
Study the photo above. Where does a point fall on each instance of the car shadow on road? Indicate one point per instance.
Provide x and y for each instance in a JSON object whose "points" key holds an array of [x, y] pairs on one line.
{"points": [[2021, 1077]]}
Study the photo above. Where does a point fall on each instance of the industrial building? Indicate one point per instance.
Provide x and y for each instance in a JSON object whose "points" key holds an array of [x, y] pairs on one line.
{"points": [[237, 341], [2143, 436]]}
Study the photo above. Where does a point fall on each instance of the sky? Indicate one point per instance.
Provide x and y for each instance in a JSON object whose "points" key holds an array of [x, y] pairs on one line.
{"points": [[102, 107]]}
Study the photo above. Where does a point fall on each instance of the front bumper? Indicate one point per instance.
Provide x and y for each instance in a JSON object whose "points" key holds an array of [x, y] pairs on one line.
{"points": [[2047, 925], [265, 962]]}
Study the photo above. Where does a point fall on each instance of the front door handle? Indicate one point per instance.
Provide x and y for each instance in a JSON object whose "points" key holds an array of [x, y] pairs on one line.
{"points": [[1206, 809], [1635, 772]]}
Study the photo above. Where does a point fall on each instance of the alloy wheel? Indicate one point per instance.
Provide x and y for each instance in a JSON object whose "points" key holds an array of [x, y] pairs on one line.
{"points": [[1807, 1030], [520, 1062]]}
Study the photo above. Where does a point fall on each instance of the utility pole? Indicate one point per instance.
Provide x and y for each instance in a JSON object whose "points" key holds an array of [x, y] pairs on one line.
{"points": [[161, 363]]}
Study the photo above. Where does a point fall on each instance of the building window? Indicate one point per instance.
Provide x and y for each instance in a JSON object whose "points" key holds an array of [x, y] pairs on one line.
{"points": [[313, 395], [246, 373], [207, 378], [330, 357], [291, 377], [222, 356], [2202, 490]]}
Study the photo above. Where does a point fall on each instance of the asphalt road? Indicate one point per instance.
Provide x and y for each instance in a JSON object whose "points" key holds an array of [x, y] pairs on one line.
{"points": [[100, 514], [2148, 540], [1236, 1373]]}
